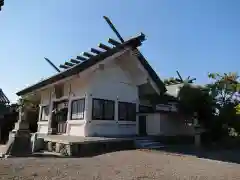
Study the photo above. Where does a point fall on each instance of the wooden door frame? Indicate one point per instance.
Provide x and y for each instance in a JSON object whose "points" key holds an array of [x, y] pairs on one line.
{"points": [[54, 123], [139, 132]]}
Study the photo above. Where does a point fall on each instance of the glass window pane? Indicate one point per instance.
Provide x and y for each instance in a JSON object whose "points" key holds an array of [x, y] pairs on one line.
{"points": [[103, 109], [45, 113], [122, 111], [109, 110], [131, 112], [78, 107], [127, 111], [97, 109]]}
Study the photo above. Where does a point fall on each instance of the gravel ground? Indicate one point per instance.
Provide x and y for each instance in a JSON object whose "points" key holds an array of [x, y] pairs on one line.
{"points": [[127, 165]]}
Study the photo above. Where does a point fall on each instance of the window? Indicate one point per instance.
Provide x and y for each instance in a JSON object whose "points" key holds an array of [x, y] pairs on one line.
{"points": [[78, 107], [126, 111], [45, 113], [103, 109], [145, 109]]}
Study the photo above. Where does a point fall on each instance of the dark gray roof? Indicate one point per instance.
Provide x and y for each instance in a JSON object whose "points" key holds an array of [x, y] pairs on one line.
{"points": [[133, 43], [3, 98]]}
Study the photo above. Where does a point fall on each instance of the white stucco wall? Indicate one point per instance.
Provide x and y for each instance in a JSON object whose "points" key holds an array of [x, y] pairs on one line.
{"points": [[45, 96], [79, 89], [153, 124], [110, 129], [112, 83], [167, 124], [43, 127], [76, 128]]}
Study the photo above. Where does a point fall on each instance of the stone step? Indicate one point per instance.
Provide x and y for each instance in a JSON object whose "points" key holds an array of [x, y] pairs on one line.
{"points": [[155, 147], [2, 150], [144, 140], [149, 144], [47, 154]]}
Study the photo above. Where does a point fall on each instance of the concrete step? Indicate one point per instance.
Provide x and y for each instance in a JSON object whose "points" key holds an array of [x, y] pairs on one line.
{"points": [[3, 150], [47, 154], [149, 144], [144, 140], [155, 147]]}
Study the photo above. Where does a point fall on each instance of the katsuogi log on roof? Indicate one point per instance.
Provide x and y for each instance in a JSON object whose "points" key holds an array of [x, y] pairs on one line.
{"points": [[103, 46], [113, 42], [75, 61], [88, 54], [96, 51], [81, 58]]}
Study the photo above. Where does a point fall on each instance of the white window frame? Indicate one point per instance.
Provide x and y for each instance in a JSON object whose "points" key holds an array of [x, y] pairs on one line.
{"points": [[79, 115]]}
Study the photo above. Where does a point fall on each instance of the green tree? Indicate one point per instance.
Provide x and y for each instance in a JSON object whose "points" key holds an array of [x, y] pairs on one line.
{"points": [[26, 103], [225, 91], [237, 107], [196, 99], [224, 88], [217, 104]]}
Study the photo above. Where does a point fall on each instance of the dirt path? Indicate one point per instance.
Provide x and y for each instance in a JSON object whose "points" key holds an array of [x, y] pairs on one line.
{"points": [[127, 165]]}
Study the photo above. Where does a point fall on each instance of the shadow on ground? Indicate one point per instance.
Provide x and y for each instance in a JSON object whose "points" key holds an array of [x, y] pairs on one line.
{"points": [[226, 155], [58, 155]]}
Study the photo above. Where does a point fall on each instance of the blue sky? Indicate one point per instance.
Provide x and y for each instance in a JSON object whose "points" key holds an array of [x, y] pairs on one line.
{"points": [[192, 36]]}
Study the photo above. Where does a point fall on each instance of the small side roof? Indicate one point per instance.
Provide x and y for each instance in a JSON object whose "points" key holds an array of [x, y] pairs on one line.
{"points": [[3, 98], [173, 89], [133, 43]]}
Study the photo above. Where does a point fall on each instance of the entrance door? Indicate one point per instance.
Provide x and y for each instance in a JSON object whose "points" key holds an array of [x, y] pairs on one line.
{"points": [[142, 125], [60, 117]]}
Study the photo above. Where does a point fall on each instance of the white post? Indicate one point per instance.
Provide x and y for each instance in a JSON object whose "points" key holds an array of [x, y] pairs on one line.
{"points": [[88, 113], [50, 113], [88, 108], [69, 109], [70, 95], [39, 112], [39, 117], [69, 115]]}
